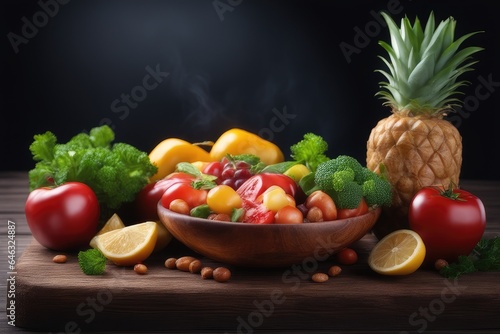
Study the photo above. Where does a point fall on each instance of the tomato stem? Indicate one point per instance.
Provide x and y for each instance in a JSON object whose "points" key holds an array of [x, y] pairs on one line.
{"points": [[450, 193]]}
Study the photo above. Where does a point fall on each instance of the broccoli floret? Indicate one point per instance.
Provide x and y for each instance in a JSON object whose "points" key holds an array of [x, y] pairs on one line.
{"points": [[310, 151], [349, 197], [347, 182], [325, 171], [342, 178], [376, 190]]}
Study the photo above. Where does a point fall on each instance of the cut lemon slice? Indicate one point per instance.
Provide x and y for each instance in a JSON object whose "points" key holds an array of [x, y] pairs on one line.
{"points": [[113, 223], [399, 253], [129, 245]]}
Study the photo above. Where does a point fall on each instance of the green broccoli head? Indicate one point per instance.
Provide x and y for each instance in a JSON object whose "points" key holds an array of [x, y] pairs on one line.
{"points": [[310, 151], [347, 182], [326, 170], [377, 191], [349, 197]]}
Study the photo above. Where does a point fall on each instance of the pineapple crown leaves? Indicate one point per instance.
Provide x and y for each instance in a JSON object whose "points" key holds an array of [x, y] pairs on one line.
{"points": [[424, 65]]}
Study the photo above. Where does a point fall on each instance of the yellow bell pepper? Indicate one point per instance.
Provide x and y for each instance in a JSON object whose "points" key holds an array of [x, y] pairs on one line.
{"points": [[168, 153], [237, 141]]}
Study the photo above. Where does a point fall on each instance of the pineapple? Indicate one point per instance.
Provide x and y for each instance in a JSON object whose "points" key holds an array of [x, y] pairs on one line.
{"points": [[416, 146]]}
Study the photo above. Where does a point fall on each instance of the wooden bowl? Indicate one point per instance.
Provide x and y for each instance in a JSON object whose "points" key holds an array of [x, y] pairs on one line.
{"points": [[265, 246]]}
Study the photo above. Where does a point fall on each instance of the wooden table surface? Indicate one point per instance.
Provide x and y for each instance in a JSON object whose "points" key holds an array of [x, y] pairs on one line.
{"points": [[308, 310]]}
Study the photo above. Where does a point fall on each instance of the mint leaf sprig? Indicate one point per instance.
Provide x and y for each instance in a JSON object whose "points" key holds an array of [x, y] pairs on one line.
{"points": [[92, 261], [484, 257]]}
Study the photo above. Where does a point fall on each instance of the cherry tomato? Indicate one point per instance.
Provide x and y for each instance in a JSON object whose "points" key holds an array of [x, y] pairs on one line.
{"points": [[147, 199], [64, 217], [348, 213], [347, 256], [213, 168], [289, 215], [324, 202], [450, 222], [257, 184], [223, 199], [186, 192]]}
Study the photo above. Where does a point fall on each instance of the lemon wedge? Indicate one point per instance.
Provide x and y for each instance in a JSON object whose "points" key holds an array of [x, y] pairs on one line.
{"points": [[129, 245], [113, 223], [401, 252]]}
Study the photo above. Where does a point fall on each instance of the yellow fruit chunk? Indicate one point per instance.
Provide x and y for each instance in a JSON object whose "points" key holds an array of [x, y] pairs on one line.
{"points": [[297, 172], [113, 223], [129, 245], [168, 153], [401, 252]]}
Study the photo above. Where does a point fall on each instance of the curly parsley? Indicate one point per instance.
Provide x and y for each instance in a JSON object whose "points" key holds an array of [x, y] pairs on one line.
{"points": [[484, 257]]}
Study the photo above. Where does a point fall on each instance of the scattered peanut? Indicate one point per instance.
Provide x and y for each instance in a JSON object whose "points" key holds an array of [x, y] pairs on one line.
{"points": [[319, 277], [170, 263], [207, 272], [334, 271], [60, 258], [195, 267], [440, 264], [141, 269], [183, 263], [314, 215], [221, 274]]}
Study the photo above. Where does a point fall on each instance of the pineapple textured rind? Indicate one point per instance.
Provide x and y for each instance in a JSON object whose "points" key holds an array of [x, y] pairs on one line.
{"points": [[415, 152]]}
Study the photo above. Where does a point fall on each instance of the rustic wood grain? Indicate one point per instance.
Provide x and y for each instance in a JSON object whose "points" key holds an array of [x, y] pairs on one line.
{"points": [[58, 297]]}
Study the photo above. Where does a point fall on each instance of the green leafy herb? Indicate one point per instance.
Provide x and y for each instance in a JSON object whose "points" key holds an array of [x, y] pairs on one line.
{"points": [[200, 211], [236, 214], [279, 168], [116, 172], [250, 159], [310, 151], [188, 168], [202, 181], [484, 257], [92, 261], [308, 184]]}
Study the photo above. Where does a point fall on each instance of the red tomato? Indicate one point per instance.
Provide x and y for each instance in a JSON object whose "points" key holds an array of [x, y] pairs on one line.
{"points": [[63, 217], [450, 222], [186, 192], [348, 213], [214, 168], [289, 215], [147, 199], [347, 256], [257, 184], [256, 213]]}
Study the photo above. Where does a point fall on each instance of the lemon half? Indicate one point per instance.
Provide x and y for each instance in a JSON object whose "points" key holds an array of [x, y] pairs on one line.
{"points": [[401, 252]]}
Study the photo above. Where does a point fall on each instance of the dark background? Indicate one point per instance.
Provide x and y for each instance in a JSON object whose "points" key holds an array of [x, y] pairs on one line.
{"points": [[264, 58]]}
